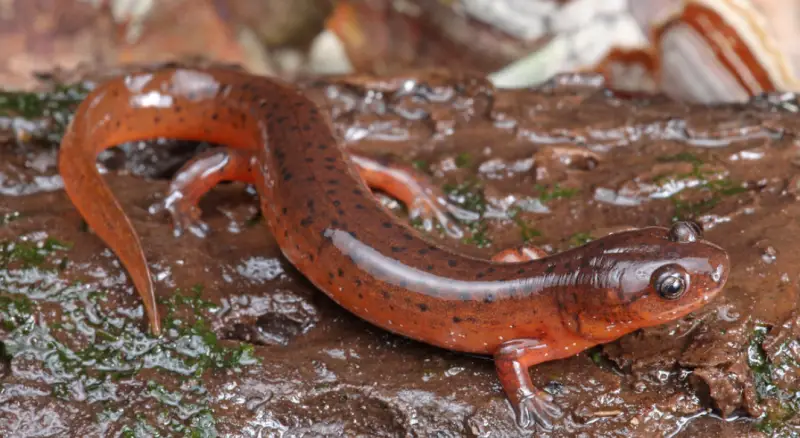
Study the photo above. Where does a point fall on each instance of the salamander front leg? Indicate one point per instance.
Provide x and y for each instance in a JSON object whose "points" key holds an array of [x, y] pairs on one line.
{"points": [[531, 405], [196, 178], [422, 198]]}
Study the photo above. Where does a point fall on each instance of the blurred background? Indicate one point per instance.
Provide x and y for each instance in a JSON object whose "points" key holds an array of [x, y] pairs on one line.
{"points": [[697, 50]]}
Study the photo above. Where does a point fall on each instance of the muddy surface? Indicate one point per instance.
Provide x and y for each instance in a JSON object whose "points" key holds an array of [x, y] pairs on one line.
{"points": [[253, 350]]}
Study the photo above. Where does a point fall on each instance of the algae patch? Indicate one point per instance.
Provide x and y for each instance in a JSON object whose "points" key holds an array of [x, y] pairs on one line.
{"points": [[88, 347]]}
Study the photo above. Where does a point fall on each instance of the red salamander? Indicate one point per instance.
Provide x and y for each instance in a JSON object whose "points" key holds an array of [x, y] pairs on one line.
{"points": [[522, 310]]}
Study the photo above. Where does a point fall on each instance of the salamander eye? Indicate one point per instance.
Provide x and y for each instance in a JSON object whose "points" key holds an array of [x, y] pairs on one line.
{"points": [[685, 231], [671, 281]]}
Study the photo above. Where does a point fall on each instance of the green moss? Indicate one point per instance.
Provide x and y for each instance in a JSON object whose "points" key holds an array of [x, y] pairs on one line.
{"points": [[478, 234], [420, 165], [685, 157], [547, 194], [15, 309], [468, 195], [95, 347], [579, 239], [527, 233], [463, 160], [785, 403], [758, 362], [717, 189], [29, 253], [56, 106]]}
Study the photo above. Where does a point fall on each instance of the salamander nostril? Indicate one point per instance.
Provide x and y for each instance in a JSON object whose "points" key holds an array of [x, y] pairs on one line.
{"points": [[685, 231]]}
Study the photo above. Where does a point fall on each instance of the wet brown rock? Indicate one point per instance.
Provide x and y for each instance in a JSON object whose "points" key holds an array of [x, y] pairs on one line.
{"points": [[289, 360]]}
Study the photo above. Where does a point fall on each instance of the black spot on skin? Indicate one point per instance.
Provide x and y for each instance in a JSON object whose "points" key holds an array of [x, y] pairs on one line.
{"points": [[333, 182], [480, 275], [330, 159], [408, 236], [322, 147], [157, 120], [398, 249], [287, 176], [309, 160], [423, 251], [340, 272], [358, 282], [359, 207], [307, 221], [118, 123], [281, 120], [568, 266], [387, 225], [429, 267], [452, 263], [457, 319], [357, 192], [285, 210], [330, 275], [360, 295], [550, 268], [340, 212], [423, 307], [306, 127], [214, 116], [178, 108], [520, 271], [337, 203], [489, 299], [330, 192], [335, 223], [385, 293], [490, 269]]}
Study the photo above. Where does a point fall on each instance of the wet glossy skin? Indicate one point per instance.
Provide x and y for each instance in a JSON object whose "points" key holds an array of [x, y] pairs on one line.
{"points": [[328, 225]]}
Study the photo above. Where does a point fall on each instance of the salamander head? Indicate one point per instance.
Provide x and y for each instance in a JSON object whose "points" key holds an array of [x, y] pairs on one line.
{"points": [[643, 278]]}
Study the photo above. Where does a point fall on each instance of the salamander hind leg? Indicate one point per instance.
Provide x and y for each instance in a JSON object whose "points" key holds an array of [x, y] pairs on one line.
{"points": [[531, 405], [196, 178], [422, 198]]}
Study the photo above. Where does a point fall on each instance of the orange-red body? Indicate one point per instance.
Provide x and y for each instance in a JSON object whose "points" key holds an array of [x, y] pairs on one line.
{"points": [[317, 202]]}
